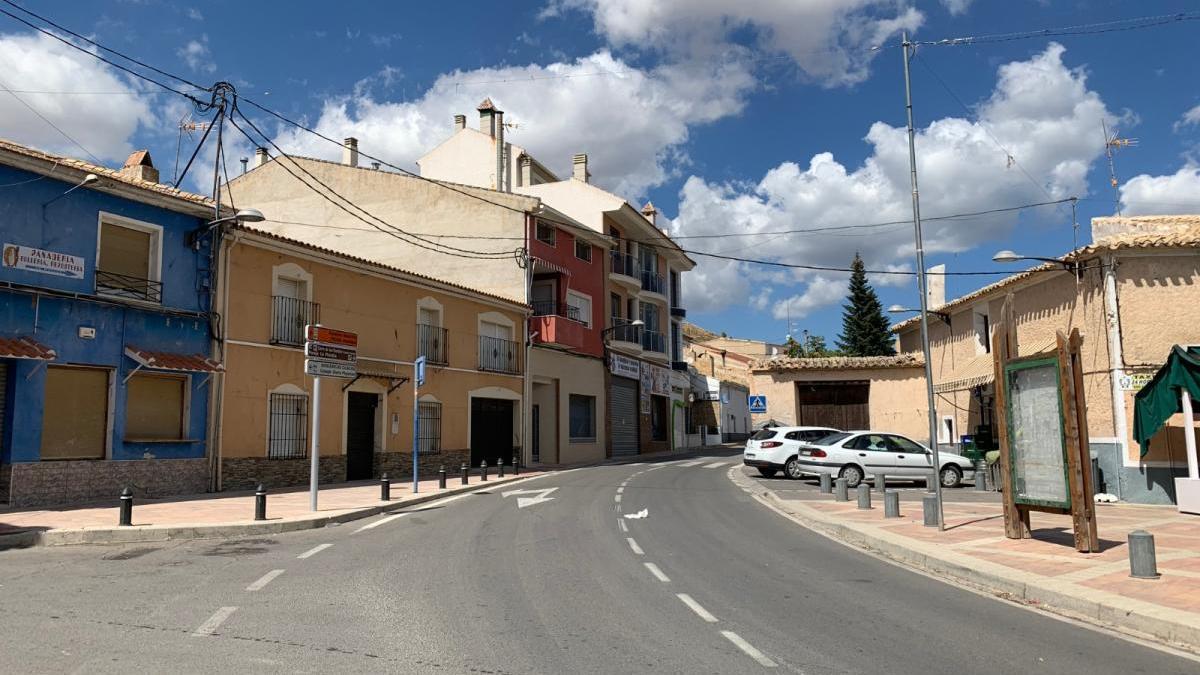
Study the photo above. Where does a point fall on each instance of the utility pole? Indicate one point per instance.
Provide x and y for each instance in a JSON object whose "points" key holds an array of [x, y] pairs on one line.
{"points": [[922, 282]]}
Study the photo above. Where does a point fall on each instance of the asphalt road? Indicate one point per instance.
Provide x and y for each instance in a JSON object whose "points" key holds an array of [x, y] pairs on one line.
{"points": [[709, 581]]}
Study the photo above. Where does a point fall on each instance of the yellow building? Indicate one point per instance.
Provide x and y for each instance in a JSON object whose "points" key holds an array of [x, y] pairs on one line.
{"points": [[470, 406]]}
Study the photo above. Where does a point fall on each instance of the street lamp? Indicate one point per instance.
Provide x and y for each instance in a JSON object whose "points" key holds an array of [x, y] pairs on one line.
{"points": [[1007, 256], [242, 216], [87, 180], [898, 309]]}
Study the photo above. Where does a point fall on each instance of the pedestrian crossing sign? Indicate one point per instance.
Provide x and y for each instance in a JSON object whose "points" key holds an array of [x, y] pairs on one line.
{"points": [[758, 403]]}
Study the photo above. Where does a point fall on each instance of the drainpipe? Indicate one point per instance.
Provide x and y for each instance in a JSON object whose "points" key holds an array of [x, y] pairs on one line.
{"points": [[1116, 359]]}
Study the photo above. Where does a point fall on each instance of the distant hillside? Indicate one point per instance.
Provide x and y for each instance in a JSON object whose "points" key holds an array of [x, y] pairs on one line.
{"points": [[697, 334]]}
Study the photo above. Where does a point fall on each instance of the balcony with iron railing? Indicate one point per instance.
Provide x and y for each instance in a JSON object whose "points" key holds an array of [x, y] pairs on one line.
{"points": [[652, 282], [623, 269], [498, 355], [654, 341], [128, 287], [431, 343], [552, 308], [624, 330], [556, 324], [289, 316]]}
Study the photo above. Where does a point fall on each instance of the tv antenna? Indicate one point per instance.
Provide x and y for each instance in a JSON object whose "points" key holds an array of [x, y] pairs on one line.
{"points": [[1112, 143], [190, 126]]}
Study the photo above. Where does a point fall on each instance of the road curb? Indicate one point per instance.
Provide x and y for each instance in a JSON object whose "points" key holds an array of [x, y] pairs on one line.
{"points": [[162, 533], [1175, 628]]}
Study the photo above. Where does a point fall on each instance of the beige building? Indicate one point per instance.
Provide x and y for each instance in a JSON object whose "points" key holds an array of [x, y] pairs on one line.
{"points": [[1133, 297], [470, 405]]}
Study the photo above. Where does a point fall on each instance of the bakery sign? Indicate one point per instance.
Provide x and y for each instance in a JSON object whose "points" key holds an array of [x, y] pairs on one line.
{"points": [[43, 262]]}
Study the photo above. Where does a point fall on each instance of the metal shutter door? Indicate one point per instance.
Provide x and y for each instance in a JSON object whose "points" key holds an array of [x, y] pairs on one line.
{"points": [[622, 405]]}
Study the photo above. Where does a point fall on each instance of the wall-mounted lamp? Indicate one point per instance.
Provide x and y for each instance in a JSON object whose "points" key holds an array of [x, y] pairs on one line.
{"points": [[1007, 256], [242, 216], [898, 309], [87, 180]]}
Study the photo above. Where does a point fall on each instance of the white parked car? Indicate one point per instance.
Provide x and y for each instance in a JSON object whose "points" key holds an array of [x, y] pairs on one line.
{"points": [[859, 455], [772, 449]]}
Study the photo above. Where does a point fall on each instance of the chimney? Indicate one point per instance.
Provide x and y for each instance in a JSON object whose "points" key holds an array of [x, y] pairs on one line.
{"points": [[487, 122], [260, 157], [139, 166], [580, 168], [350, 152], [525, 177], [460, 122], [375, 166], [499, 149], [650, 212], [935, 286]]}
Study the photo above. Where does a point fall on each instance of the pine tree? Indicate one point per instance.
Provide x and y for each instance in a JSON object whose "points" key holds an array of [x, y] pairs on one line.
{"points": [[864, 326]]}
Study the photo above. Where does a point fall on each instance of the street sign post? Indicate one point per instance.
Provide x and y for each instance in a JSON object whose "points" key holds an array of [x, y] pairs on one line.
{"points": [[418, 380], [758, 404], [328, 352]]}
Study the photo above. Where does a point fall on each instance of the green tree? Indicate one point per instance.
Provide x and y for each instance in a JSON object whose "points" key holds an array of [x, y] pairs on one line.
{"points": [[813, 346], [864, 326]]}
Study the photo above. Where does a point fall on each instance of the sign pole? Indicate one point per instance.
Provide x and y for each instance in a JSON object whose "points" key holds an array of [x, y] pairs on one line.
{"points": [[416, 427], [315, 466]]}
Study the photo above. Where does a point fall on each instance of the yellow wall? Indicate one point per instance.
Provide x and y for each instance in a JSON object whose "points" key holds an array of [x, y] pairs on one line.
{"points": [[558, 374], [896, 403]]}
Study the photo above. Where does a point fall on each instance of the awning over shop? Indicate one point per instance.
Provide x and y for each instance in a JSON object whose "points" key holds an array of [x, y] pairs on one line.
{"points": [[185, 363], [25, 348], [1156, 402], [541, 265], [981, 370]]}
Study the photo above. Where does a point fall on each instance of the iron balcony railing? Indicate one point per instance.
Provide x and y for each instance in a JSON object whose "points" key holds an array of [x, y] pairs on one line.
{"points": [[653, 341], [125, 286], [652, 282], [623, 263], [499, 355], [431, 343], [288, 318], [551, 308], [624, 331]]}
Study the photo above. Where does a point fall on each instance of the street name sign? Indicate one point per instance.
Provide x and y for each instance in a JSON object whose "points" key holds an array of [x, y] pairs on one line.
{"points": [[758, 403], [323, 368], [331, 336], [328, 352]]}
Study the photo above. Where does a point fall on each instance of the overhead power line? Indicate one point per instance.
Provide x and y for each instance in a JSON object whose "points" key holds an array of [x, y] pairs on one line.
{"points": [[1135, 23], [52, 124]]}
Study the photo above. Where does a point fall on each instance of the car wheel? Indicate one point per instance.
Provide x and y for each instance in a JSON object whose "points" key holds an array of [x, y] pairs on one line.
{"points": [[767, 473], [951, 476], [793, 469], [852, 474]]}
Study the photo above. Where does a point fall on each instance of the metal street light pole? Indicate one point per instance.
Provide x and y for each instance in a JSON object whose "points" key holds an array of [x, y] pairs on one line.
{"points": [[922, 284]]}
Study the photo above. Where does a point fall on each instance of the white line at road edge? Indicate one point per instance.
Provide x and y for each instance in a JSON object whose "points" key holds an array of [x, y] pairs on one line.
{"points": [[422, 507], [313, 551], [634, 545], [214, 622], [381, 521], [658, 574], [695, 607], [714, 465], [624, 527], [749, 649], [264, 580]]}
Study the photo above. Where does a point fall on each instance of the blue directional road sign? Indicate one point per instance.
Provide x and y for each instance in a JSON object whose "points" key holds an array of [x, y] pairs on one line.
{"points": [[758, 403], [420, 364]]}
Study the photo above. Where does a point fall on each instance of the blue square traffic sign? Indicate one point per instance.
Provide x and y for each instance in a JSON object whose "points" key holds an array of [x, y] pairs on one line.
{"points": [[758, 403]]}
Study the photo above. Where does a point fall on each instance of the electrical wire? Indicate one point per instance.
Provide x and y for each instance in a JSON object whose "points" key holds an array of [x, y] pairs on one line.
{"points": [[1135, 23], [52, 124]]}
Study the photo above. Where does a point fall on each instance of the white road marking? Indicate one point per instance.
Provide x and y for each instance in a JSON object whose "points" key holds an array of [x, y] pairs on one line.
{"points": [[264, 580], [714, 465], [381, 521], [634, 545], [542, 496], [749, 649], [693, 463], [620, 489], [313, 551], [658, 574], [214, 622], [695, 607], [624, 527], [617, 498], [639, 515]]}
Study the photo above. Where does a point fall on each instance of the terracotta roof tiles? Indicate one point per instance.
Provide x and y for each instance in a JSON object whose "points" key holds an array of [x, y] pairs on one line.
{"points": [[25, 348]]}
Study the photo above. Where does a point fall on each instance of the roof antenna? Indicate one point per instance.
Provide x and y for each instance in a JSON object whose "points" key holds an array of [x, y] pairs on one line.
{"points": [[1114, 142]]}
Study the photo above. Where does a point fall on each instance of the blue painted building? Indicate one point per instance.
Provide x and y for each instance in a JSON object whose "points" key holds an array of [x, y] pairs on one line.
{"points": [[105, 331]]}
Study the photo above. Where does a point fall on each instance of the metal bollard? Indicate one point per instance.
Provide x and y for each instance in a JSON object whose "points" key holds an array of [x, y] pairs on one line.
{"points": [[931, 479], [891, 504], [864, 496], [826, 484], [880, 483], [516, 466], [465, 473], [499, 467], [840, 490], [442, 477], [260, 502], [483, 470], [126, 508], [930, 503], [981, 476], [1142, 563], [385, 488]]}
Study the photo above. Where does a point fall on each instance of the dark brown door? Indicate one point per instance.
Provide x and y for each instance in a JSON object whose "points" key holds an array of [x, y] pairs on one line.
{"points": [[360, 435], [491, 430], [841, 405]]}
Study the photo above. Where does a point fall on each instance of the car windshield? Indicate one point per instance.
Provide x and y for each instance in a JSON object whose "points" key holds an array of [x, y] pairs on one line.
{"points": [[830, 439], [764, 435]]}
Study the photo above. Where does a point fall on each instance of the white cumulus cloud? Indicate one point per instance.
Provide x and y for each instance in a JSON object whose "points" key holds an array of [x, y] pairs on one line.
{"points": [[1174, 193], [957, 7], [197, 55], [1189, 118]]}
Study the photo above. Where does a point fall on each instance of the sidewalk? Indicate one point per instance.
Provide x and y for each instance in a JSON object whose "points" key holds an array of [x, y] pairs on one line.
{"points": [[228, 514], [1044, 571]]}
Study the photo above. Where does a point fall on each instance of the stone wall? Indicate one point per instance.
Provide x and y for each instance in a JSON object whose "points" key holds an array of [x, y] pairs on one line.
{"points": [[72, 482], [5, 477], [245, 473]]}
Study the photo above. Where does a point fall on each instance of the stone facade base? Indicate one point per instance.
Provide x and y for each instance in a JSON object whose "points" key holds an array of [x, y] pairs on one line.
{"points": [[70, 482], [245, 473], [5, 477]]}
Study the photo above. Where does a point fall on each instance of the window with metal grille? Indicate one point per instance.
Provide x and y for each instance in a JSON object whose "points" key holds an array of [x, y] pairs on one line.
{"points": [[546, 233], [583, 250], [429, 431], [288, 434]]}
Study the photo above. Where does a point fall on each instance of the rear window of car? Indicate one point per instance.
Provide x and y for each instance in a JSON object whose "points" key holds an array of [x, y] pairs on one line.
{"points": [[830, 439], [765, 434]]}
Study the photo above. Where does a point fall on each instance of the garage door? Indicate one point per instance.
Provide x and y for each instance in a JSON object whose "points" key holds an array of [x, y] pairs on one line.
{"points": [[841, 405], [622, 406]]}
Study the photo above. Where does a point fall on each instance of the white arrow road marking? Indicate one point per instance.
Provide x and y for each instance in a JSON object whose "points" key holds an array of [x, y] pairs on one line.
{"points": [[749, 649], [522, 502], [639, 515], [214, 622]]}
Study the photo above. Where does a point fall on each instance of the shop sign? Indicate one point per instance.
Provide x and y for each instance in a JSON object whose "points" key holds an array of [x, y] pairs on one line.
{"points": [[43, 262], [1134, 381], [624, 366], [660, 380]]}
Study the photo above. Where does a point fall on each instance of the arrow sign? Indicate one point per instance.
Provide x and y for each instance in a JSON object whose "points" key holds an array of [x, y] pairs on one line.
{"points": [[522, 502]]}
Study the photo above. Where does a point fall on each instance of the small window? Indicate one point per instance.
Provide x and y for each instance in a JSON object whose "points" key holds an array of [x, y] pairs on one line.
{"points": [[155, 407], [583, 418], [580, 308], [546, 233], [983, 333], [765, 435], [946, 430], [287, 437], [902, 444], [429, 429], [127, 263], [583, 250]]}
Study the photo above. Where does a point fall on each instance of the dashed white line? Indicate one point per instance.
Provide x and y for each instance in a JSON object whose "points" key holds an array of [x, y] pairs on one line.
{"points": [[379, 522], [264, 580], [749, 649], [620, 489], [695, 607], [617, 498], [624, 527], [214, 622], [634, 545], [714, 465], [658, 574], [693, 463], [313, 551]]}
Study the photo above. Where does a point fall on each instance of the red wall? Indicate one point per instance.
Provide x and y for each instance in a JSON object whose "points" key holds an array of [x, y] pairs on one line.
{"points": [[586, 277]]}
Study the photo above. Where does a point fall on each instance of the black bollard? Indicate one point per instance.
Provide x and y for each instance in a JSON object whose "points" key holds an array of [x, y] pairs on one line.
{"points": [[465, 472], [500, 467], [442, 477], [385, 488], [126, 507], [483, 470], [516, 466], [260, 502]]}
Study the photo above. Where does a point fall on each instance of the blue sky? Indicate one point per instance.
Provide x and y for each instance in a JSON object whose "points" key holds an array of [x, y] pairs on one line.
{"points": [[744, 118]]}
